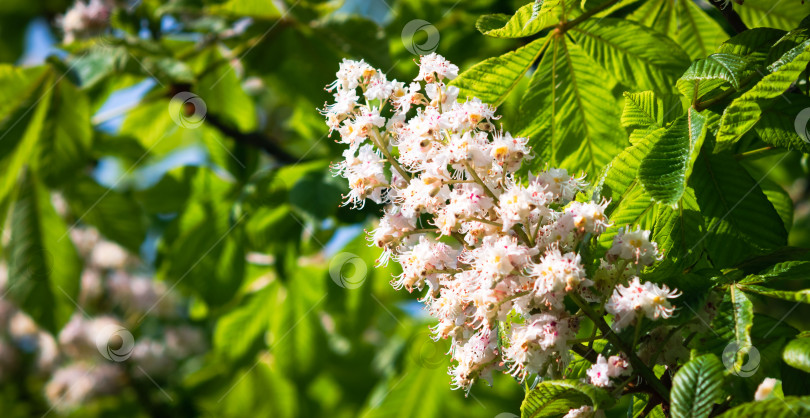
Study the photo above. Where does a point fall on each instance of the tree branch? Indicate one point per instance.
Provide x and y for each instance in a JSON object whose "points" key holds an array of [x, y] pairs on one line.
{"points": [[730, 15], [254, 139]]}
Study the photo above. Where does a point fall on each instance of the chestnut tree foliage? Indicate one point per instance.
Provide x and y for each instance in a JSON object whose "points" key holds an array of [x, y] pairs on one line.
{"points": [[211, 186]]}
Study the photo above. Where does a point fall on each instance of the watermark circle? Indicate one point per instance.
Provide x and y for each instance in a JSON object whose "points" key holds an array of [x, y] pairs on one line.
{"points": [[115, 343], [800, 124], [187, 109], [425, 352], [342, 262], [749, 368], [430, 44]]}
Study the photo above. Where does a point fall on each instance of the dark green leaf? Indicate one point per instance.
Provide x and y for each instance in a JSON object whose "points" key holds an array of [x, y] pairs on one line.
{"points": [[696, 387]]}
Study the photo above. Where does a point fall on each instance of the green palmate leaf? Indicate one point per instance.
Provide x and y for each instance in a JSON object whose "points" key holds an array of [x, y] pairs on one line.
{"points": [[568, 107], [797, 354], [783, 125], [637, 56], [258, 9], [791, 40], [684, 22], [753, 45], [44, 267], [696, 387], [525, 22], [554, 397], [678, 230], [222, 91], [241, 329], [630, 203], [705, 75], [744, 112], [739, 218], [425, 383], [296, 329], [25, 98], [493, 79], [790, 295], [116, 215], [788, 270], [735, 317], [645, 112], [781, 14], [259, 388], [790, 406], [362, 36], [67, 135], [666, 168], [204, 251], [781, 201]]}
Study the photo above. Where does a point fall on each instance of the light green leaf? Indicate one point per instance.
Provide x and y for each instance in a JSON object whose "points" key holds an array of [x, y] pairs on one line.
{"points": [[260, 388], [797, 354], [787, 270], [630, 203], [525, 22], [241, 329], [296, 331], [221, 90], [44, 267], [788, 407], [116, 215], [635, 55], [802, 296], [784, 125], [67, 135], [752, 45], [553, 397], [684, 22], [779, 14], [259, 9], [24, 103], [696, 387], [744, 112], [678, 231], [735, 317], [781, 201], [429, 385], [645, 112], [705, 75], [739, 218], [568, 112], [665, 170], [493, 79]]}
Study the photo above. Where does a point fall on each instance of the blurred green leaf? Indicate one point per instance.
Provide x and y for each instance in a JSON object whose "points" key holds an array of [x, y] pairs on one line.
{"points": [[44, 268]]}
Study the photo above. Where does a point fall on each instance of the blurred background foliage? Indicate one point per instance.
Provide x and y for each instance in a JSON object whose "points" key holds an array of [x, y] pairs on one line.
{"points": [[237, 213]]}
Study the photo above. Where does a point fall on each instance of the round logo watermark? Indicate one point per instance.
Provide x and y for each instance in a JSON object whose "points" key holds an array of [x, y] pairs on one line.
{"points": [[409, 35], [115, 343], [425, 352], [348, 270], [187, 109], [800, 124], [730, 355]]}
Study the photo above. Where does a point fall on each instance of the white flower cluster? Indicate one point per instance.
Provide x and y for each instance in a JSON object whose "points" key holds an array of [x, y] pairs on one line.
{"points": [[74, 363], [603, 370], [496, 255], [85, 19]]}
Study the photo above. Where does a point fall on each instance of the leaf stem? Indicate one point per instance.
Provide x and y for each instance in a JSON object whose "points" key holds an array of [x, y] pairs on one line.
{"points": [[760, 152], [564, 26]]}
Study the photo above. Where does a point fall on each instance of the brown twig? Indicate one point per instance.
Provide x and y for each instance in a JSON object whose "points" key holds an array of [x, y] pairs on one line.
{"points": [[730, 15]]}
